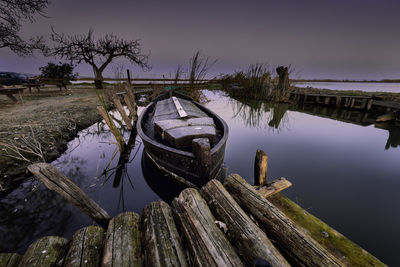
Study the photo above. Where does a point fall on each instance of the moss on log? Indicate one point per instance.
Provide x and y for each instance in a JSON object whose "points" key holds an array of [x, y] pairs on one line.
{"points": [[340, 246], [161, 241], [86, 246], [46, 251], [122, 245], [9, 259], [242, 232]]}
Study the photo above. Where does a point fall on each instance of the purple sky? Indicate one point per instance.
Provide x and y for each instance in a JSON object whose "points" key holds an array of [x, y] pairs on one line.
{"points": [[320, 39]]}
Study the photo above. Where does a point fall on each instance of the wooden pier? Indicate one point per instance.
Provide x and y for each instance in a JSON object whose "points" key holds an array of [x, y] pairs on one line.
{"points": [[220, 225], [345, 101]]}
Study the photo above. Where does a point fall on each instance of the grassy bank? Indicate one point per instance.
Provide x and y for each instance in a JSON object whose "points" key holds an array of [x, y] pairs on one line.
{"points": [[40, 127]]}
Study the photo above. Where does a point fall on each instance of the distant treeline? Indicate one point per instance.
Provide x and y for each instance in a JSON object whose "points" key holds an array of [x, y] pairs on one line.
{"points": [[348, 81]]}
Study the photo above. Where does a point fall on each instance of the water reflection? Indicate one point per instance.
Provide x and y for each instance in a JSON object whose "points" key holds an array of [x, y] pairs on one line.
{"points": [[256, 113]]}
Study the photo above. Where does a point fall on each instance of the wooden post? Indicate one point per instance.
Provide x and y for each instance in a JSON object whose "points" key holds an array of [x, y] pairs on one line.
{"points": [[327, 100], [47, 251], [260, 168], [113, 128], [207, 244], [128, 74], [369, 104], [251, 241], [122, 246], [297, 246], [122, 112], [161, 241], [54, 180], [201, 150]]}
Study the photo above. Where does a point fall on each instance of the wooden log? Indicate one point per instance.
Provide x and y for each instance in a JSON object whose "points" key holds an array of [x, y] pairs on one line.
{"points": [[252, 243], [273, 188], [113, 128], [85, 248], [47, 251], [207, 245], [9, 259], [122, 242], [260, 168], [123, 114], [297, 246], [201, 150], [58, 182], [161, 241]]}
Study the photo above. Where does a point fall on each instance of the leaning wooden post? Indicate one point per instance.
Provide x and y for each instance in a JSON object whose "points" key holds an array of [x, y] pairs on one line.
{"points": [[122, 112], [201, 151], [112, 127], [260, 168], [54, 180]]}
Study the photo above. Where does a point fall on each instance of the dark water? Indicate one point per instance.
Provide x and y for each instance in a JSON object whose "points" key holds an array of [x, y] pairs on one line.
{"points": [[342, 171]]}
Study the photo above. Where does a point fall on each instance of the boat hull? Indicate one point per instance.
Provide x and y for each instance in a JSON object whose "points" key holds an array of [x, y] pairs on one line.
{"points": [[183, 163]]}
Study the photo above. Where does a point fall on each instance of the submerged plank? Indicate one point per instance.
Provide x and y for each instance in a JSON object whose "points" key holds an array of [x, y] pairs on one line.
{"points": [[56, 181], [122, 241], [9, 259], [161, 241], [299, 248], [207, 244], [47, 251], [242, 232], [85, 248]]}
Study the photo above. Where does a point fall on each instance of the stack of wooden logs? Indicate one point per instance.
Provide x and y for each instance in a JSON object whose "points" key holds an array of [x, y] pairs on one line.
{"points": [[220, 225]]}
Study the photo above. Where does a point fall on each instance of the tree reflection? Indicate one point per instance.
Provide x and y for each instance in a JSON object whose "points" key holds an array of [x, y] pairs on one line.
{"points": [[256, 113]]}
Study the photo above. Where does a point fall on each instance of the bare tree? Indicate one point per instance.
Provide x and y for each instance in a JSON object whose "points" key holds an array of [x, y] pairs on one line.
{"points": [[12, 14], [97, 53]]}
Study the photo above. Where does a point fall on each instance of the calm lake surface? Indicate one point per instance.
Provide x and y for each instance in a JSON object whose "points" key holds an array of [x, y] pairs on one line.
{"points": [[367, 87], [346, 174]]}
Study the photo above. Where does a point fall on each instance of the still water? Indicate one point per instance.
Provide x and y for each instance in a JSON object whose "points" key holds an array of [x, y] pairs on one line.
{"points": [[345, 173], [367, 87]]}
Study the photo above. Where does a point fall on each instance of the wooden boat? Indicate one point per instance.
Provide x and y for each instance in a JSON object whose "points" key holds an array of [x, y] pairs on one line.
{"points": [[183, 138]]}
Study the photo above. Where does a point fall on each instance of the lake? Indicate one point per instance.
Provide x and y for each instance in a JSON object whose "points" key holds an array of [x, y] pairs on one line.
{"points": [[345, 173], [367, 87]]}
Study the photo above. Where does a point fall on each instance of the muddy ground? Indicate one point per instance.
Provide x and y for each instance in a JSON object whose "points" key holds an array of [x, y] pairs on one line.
{"points": [[40, 126]]}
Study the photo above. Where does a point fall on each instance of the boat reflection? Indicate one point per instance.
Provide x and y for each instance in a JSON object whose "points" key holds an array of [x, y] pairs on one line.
{"points": [[163, 185]]}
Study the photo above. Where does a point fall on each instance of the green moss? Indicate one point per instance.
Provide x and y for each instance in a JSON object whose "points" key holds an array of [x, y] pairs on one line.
{"points": [[336, 243]]}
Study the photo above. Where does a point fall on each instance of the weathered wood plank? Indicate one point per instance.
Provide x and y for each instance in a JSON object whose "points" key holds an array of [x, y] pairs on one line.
{"points": [[207, 245], [260, 168], [298, 247], [122, 242], [123, 114], [47, 251], [274, 187], [9, 259], [161, 241], [58, 182], [85, 248], [242, 232]]}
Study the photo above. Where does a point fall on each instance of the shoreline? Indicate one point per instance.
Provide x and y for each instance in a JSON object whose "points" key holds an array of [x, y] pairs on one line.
{"points": [[48, 120]]}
